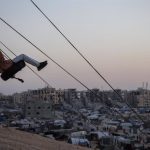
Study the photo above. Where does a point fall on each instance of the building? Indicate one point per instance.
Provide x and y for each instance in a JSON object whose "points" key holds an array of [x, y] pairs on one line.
{"points": [[39, 103], [70, 95], [39, 109], [6, 100], [144, 98], [19, 98], [52, 95], [47, 94]]}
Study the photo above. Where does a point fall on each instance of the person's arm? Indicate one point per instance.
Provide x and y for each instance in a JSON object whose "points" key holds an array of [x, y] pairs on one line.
{"points": [[2, 59]]}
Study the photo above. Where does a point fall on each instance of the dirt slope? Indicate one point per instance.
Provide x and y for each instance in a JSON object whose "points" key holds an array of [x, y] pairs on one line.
{"points": [[11, 139]]}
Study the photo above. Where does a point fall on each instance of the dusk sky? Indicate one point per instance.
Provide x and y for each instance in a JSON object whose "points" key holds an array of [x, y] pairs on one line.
{"points": [[114, 35]]}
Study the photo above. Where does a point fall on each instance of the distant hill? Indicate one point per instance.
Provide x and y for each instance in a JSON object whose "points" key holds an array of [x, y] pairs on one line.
{"points": [[11, 139]]}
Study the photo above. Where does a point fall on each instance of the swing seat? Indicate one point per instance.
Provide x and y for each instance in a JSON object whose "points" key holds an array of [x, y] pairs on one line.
{"points": [[11, 71]]}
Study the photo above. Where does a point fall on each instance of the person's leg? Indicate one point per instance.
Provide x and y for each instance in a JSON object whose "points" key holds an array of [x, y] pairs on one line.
{"points": [[39, 65], [26, 59]]}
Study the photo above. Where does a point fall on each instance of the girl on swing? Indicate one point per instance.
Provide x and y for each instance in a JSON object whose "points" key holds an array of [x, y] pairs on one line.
{"points": [[5, 64]]}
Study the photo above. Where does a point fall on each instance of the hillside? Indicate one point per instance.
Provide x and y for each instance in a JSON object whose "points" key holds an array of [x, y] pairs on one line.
{"points": [[11, 139]]}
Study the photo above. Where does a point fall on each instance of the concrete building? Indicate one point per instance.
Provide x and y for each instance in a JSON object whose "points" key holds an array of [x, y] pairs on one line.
{"points": [[47, 94], [19, 98], [6, 100], [132, 98], [144, 98], [39, 109], [39, 103], [70, 95]]}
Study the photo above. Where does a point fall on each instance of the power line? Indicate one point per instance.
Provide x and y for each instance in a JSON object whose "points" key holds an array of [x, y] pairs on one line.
{"points": [[26, 65], [107, 107], [5, 55], [34, 71], [56, 63], [52, 59], [45, 54], [99, 74]]}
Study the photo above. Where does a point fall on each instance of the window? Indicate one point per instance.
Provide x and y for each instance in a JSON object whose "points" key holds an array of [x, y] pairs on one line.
{"points": [[37, 113]]}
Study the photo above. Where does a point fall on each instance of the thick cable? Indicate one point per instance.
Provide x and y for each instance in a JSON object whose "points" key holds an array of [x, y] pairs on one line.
{"points": [[88, 61], [5, 54], [57, 64], [45, 54], [52, 59], [48, 84], [114, 110]]}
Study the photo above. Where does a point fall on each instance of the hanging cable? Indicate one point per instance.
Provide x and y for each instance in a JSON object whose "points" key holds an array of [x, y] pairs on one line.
{"points": [[106, 106], [36, 73], [57, 64], [5, 54], [48, 84], [26, 65], [52, 60], [100, 75], [45, 54]]}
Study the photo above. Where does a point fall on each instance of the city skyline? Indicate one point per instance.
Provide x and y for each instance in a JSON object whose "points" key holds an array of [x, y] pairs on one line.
{"points": [[113, 36]]}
